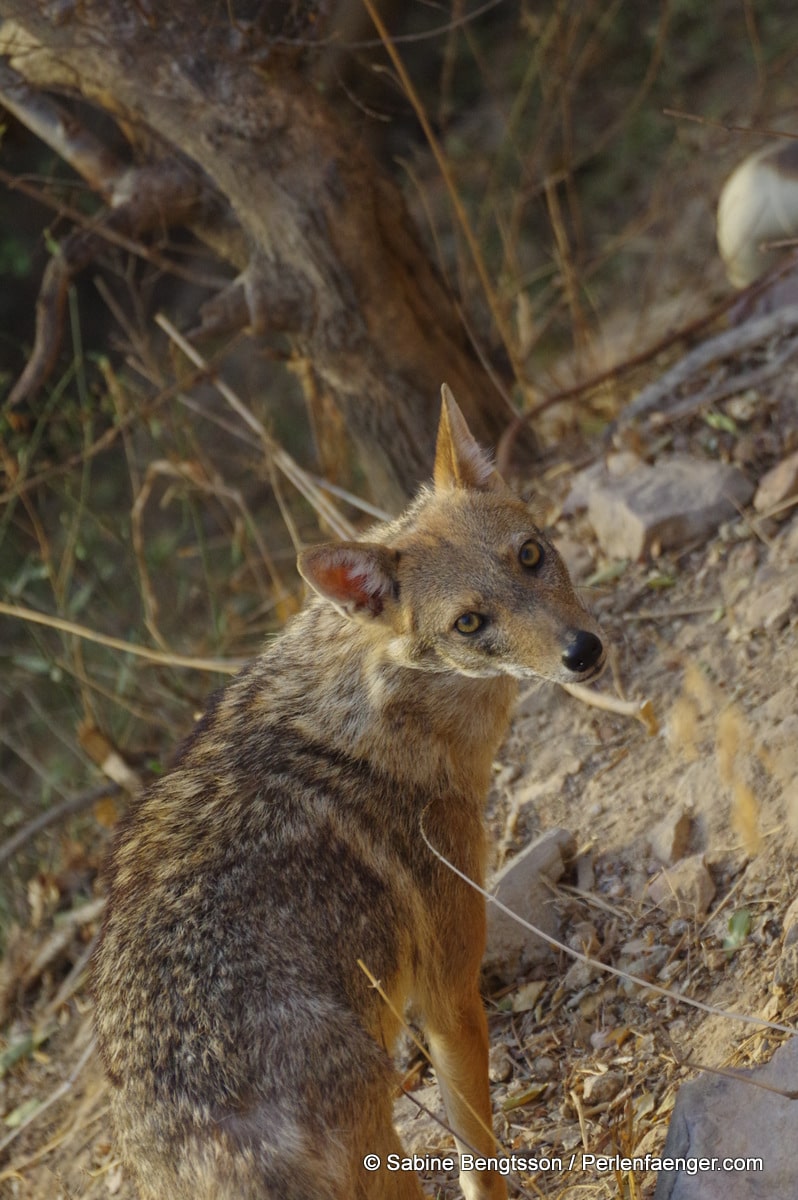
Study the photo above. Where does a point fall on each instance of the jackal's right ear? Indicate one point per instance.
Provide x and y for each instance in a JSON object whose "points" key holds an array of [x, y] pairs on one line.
{"points": [[460, 461], [358, 578]]}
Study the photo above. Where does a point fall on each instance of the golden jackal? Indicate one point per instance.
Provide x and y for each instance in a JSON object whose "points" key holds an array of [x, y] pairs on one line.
{"points": [[248, 1054]]}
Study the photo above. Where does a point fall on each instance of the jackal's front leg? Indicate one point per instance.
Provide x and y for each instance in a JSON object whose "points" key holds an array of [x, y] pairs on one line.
{"points": [[459, 1053]]}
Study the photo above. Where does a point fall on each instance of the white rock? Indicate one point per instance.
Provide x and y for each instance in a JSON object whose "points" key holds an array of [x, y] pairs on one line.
{"points": [[758, 204]]}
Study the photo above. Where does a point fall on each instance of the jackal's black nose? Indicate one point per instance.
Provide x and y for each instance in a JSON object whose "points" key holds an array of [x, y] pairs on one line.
{"points": [[583, 653]]}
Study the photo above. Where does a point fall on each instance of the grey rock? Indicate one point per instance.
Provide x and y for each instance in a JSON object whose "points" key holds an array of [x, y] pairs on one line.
{"points": [[634, 507], [581, 486], [521, 886], [721, 1118]]}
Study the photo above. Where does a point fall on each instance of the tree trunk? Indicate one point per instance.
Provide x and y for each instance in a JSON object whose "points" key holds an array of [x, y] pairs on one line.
{"points": [[333, 259]]}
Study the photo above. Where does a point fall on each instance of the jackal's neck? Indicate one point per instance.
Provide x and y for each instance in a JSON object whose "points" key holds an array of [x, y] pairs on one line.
{"points": [[332, 680]]}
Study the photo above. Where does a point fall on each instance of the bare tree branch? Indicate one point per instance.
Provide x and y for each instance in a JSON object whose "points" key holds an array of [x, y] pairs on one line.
{"points": [[159, 195], [85, 153], [335, 261]]}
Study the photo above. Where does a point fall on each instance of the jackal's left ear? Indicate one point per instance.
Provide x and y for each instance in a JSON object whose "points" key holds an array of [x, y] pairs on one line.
{"points": [[460, 461], [358, 578]]}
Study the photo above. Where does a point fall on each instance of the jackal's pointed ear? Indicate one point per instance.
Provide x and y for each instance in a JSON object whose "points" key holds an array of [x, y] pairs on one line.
{"points": [[358, 578], [460, 461]]}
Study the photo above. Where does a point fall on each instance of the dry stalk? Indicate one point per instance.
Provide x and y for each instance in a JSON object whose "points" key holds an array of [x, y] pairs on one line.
{"points": [[60, 812], [224, 666], [606, 968], [641, 710], [442, 163], [62, 1090], [300, 478]]}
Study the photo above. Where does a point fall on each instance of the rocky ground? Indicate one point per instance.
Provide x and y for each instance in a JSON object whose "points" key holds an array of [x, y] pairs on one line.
{"points": [[679, 845], [684, 842]]}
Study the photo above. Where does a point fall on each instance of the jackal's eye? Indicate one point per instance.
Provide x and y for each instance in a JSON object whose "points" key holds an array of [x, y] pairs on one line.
{"points": [[530, 555], [469, 623]]}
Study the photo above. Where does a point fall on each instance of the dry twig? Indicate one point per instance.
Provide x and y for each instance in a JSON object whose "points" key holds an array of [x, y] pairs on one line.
{"points": [[59, 812]]}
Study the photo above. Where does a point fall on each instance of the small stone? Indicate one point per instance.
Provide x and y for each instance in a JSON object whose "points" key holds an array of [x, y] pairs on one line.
{"points": [[500, 1064], [600, 1039], [670, 837], [686, 888], [769, 601], [623, 463], [585, 872], [578, 976], [778, 485], [786, 973], [698, 786], [527, 996], [543, 1067], [600, 1089], [745, 406], [581, 485]]}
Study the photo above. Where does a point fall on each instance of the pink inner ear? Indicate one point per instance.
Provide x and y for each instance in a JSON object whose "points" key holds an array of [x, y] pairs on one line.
{"points": [[352, 585]]}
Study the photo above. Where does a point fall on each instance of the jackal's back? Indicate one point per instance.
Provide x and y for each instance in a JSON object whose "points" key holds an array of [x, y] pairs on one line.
{"points": [[247, 1051]]}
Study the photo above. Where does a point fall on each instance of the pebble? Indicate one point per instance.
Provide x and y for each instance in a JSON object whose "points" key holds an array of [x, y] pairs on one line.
{"points": [[778, 485], [686, 889], [600, 1089]]}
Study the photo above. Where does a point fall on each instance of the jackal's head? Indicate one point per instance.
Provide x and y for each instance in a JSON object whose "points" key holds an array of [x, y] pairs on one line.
{"points": [[463, 581]]}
